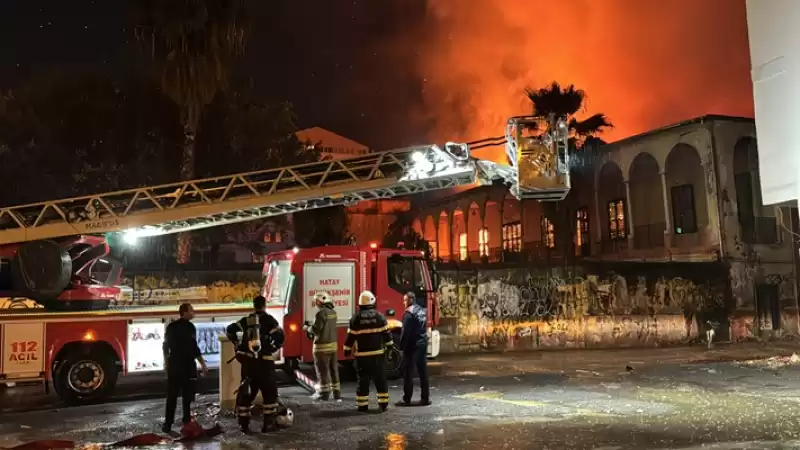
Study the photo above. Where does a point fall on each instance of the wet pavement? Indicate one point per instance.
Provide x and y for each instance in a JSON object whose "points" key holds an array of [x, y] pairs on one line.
{"points": [[558, 400]]}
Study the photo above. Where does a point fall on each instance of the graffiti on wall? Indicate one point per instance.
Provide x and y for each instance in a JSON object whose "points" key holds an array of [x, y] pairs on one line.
{"points": [[497, 308], [196, 287]]}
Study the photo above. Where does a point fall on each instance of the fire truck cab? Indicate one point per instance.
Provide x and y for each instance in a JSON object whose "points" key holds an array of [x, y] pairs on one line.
{"points": [[293, 277]]}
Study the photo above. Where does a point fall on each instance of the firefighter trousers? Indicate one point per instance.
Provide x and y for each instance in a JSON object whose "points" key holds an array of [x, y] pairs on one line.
{"points": [[370, 368], [326, 365], [258, 375]]}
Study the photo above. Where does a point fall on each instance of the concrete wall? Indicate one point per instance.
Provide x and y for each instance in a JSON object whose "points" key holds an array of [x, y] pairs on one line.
{"points": [[758, 263], [619, 305]]}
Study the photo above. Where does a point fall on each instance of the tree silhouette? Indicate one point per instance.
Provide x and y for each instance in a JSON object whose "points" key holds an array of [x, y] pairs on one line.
{"points": [[192, 45]]}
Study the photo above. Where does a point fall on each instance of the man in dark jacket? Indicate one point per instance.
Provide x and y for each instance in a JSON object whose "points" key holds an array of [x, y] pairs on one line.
{"points": [[180, 353], [414, 344]]}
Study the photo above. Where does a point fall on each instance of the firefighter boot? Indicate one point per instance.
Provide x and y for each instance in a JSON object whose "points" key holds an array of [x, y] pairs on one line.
{"points": [[244, 424], [269, 424]]}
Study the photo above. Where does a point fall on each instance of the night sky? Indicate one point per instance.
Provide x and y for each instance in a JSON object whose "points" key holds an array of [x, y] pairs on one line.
{"points": [[396, 72]]}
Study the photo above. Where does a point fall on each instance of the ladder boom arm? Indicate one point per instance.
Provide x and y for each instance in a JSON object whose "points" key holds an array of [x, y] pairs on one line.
{"points": [[203, 203], [542, 158]]}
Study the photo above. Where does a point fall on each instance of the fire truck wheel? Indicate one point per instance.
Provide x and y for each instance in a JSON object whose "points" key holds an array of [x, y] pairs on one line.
{"points": [[41, 270], [84, 378]]}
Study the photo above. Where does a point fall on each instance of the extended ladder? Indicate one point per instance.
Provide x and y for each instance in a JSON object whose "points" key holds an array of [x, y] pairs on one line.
{"points": [[196, 204]]}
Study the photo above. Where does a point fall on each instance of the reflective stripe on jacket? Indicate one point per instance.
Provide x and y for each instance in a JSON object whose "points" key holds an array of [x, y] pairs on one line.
{"points": [[369, 333], [324, 330]]}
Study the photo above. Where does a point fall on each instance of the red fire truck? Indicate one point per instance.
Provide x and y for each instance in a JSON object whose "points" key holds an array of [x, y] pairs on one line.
{"points": [[293, 277], [53, 252]]}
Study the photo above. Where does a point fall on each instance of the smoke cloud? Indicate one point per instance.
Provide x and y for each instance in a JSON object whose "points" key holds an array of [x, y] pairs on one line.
{"points": [[645, 64]]}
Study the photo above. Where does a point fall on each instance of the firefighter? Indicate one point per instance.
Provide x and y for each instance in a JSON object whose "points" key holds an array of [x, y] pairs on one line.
{"points": [[261, 337], [323, 333], [367, 339]]}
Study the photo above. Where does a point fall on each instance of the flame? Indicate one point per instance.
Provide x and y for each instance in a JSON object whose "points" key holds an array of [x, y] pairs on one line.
{"points": [[645, 64]]}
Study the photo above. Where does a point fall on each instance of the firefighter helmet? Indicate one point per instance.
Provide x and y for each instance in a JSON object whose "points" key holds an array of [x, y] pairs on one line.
{"points": [[323, 298], [366, 298], [285, 418]]}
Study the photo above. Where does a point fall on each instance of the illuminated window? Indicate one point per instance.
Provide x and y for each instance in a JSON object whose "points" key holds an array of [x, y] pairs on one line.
{"points": [[270, 237], [434, 250], [617, 227], [512, 237], [548, 233], [462, 246], [483, 242]]}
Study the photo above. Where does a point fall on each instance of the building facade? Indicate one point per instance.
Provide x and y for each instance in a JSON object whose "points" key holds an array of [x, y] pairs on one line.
{"points": [[665, 224]]}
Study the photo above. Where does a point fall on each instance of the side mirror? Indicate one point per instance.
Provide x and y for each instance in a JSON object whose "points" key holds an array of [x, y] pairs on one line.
{"points": [[390, 312]]}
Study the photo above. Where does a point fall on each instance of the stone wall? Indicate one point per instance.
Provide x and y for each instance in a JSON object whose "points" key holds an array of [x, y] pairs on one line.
{"points": [[593, 306]]}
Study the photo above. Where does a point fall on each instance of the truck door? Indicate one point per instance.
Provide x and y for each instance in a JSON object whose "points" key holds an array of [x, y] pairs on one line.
{"points": [[277, 285]]}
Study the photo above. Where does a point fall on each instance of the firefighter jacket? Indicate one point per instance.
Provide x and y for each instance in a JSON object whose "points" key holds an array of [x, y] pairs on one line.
{"points": [[369, 334], [260, 332], [324, 330]]}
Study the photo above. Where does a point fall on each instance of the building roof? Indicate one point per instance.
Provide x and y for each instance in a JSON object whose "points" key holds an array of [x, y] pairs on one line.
{"points": [[330, 139], [684, 123]]}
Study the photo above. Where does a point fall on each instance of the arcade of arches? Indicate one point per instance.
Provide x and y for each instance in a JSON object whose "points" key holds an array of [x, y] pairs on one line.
{"points": [[653, 205]]}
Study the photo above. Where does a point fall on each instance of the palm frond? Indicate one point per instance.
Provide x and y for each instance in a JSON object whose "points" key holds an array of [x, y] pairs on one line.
{"points": [[554, 99], [590, 126]]}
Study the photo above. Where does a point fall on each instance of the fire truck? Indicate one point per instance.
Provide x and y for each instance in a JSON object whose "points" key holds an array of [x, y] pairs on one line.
{"points": [[53, 252], [293, 277]]}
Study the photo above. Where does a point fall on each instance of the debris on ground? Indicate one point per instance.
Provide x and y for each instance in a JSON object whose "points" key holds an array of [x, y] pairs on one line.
{"points": [[775, 362]]}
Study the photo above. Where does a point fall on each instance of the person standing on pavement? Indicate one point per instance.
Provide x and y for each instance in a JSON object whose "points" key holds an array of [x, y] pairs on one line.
{"points": [[262, 336], [367, 339], [414, 345], [180, 353], [323, 332]]}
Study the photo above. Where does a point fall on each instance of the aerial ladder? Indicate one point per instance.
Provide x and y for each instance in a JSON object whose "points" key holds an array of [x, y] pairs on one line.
{"points": [[48, 257]]}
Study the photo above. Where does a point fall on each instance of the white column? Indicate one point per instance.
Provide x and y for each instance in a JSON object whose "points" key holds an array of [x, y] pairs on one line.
{"points": [[629, 204], [667, 215]]}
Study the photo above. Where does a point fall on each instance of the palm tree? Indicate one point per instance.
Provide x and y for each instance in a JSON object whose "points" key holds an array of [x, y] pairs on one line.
{"points": [[567, 102], [583, 142], [192, 45]]}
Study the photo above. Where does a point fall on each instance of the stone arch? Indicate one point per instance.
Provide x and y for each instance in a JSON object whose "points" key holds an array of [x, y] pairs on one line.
{"points": [[443, 241], [430, 235], [647, 204], [746, 181], [685, 179], [474, 227], [416, 225], [493, 223], [459, 228], [610, 191]]}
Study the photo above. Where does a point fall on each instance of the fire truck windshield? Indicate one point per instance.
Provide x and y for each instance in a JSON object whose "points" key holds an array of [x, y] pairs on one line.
{"points": [[406, 274], [276, 286]]}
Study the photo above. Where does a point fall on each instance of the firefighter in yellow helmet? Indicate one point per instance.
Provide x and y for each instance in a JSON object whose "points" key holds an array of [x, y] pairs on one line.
{"points": [[367, 339], [323, 332]]}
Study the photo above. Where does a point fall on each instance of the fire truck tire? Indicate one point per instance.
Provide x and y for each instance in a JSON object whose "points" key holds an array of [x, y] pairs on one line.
{"points": [[41, 270], [85, 378]]}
